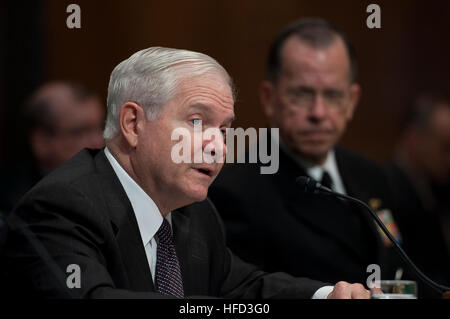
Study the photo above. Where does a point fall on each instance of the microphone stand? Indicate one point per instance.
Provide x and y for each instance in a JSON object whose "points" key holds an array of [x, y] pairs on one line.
{"points": [[308, 183]]}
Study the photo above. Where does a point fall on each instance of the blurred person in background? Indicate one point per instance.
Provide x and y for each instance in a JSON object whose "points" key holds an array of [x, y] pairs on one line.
{"points": [[419, 178], [61, 119], [311, 94]]}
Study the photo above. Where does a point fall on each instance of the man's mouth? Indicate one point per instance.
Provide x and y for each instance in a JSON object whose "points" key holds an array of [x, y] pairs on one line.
{"points": [[208, 171], [318, 131], [316, 134]]}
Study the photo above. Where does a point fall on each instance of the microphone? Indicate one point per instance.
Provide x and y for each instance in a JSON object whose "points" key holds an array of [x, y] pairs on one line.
{"points": [[309, 185]]}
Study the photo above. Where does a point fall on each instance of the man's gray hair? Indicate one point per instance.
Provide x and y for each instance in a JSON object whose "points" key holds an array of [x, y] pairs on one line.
{"points": [[150, 78]]}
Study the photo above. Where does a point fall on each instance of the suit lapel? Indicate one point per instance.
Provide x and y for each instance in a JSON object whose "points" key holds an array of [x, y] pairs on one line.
{"points": [[355, 188], [353, 183], [314, 209], [191, 251], [125, 227], [325, 215]]}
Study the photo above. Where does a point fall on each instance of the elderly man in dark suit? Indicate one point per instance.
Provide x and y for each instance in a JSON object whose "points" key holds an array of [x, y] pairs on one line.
{"points": [[311, 94], [123, 220]]}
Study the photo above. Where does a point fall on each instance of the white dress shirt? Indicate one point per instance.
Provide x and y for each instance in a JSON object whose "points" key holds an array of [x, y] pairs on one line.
{"points": [[316, 171], [148, 216]]}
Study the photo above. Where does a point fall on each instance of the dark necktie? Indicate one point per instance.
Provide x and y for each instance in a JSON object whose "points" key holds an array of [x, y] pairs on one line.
{"points": [[326, 180], [168, 275]]}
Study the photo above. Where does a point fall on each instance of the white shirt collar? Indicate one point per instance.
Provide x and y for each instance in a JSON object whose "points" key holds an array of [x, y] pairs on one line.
{"points": [[148, 216], [330, 165], [316, 171]]}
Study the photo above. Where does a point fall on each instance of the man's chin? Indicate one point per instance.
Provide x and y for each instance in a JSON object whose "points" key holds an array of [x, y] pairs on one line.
{"points": [[198, 195], [314, 154]]}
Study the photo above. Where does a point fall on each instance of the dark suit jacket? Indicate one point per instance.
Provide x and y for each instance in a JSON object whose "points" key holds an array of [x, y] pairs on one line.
{"points": [[80, 214], [272, 224]]}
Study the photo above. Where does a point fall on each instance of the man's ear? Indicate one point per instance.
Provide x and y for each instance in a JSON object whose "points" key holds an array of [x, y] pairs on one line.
{"points": [[40, 144], [413, 140], [355, 94], [267, 98], [131, 118]]}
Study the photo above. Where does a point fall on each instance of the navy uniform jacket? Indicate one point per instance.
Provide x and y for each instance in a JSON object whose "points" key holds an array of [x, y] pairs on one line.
{"points": [[271, 223]]}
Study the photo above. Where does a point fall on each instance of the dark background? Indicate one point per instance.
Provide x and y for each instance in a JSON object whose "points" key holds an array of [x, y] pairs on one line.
{"points": [[409, 53]]}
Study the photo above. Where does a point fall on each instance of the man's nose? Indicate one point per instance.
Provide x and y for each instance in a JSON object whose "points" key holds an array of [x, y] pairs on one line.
{"points": [[215, 143], [318, 109]]}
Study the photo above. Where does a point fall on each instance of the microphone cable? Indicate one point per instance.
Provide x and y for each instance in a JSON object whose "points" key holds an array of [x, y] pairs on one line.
{"points": [[309, 185]]}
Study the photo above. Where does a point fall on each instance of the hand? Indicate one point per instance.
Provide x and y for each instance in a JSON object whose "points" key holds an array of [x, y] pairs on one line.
{"points": [[344, 290]]}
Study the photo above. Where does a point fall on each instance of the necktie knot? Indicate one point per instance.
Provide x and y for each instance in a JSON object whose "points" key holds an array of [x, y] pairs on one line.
{"points": [[326, 180], [164, 233]]}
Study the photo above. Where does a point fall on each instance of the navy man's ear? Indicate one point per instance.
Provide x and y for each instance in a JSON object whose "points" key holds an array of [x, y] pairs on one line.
{"points": [[41, 143], [267, 98], [355, 93], [132, 119]]}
